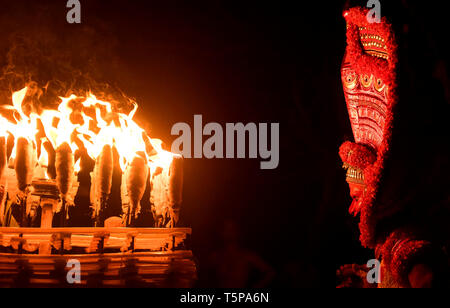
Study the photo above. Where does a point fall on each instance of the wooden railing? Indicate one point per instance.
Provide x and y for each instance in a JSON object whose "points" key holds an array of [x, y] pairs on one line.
{"points": [[93, 240], [108, 257]]}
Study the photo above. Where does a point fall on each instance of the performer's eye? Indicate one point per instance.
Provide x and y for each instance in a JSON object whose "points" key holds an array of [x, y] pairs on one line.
{"points": [[379, 85], [350, 80], [366, 81]]}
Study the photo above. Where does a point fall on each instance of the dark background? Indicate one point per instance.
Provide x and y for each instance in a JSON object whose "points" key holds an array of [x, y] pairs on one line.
{"points": [[231, 61]]}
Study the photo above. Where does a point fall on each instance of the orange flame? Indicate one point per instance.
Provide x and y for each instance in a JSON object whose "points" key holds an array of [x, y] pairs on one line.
{"points": [[4, 124], [77, 166], [95, 129], [43, 158]]}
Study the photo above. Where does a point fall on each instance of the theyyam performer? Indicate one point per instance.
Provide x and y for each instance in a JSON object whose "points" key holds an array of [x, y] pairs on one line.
{"points": [[398, 184]]}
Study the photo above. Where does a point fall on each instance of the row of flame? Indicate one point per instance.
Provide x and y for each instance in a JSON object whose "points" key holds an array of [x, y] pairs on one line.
{"points": [[103, 127]]}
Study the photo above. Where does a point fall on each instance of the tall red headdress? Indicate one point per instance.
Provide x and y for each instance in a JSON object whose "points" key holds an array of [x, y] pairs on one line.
{"points": [[369, 82]]}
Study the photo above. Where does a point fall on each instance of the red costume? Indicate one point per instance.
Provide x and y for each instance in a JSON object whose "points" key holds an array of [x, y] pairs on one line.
{"points": [[369, 77]]}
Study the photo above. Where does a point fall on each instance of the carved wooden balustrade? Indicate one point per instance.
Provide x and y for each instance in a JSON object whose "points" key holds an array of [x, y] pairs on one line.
{"points": [[112, 257]]}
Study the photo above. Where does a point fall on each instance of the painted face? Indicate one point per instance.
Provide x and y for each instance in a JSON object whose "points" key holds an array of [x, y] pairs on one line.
{"points": [[356, 192], [367, 98], [367, 102]]}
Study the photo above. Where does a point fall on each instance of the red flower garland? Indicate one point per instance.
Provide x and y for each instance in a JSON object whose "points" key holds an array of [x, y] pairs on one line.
{"points": [[399, 252], [357, 155]]}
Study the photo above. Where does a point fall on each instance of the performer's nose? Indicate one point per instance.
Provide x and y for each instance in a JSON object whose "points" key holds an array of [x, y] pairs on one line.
{"points": [[354, 193]]}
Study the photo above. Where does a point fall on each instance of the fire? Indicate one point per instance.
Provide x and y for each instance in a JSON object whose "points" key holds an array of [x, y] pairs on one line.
{"points": [[77, 167], [3, 127], [43, 158], [163, 159], [26, 125], [62, 132], [50, 143], [91, 122]]}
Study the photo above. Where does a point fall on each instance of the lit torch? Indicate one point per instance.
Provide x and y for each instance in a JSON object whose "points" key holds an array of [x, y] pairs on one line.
{"points": [[175, 189], [103, 173], [132, 150], [24, 163], [64, 164], [166, 186], [61, 140], [100, 148], [25, 150], [136, 181]]}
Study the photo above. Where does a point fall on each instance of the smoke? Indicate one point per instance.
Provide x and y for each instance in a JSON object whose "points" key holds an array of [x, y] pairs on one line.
{"points": [[39, 49]]}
